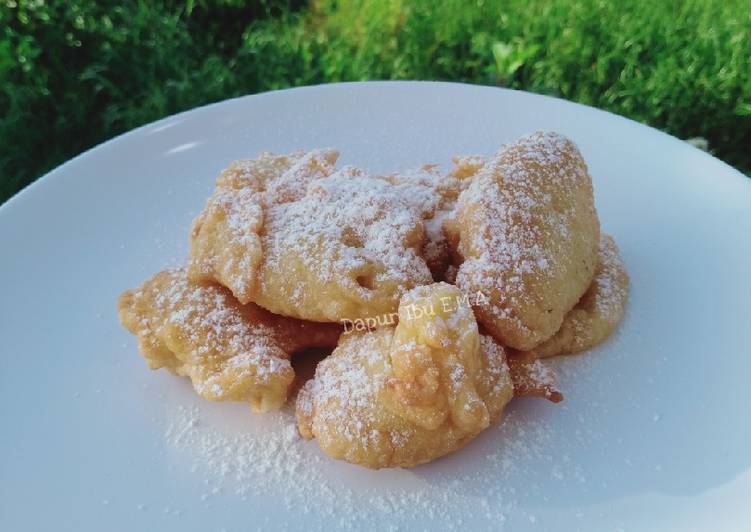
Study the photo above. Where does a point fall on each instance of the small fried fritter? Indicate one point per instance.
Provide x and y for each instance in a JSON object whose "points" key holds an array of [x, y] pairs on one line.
{"points": [[398, 397], [231, 352]]}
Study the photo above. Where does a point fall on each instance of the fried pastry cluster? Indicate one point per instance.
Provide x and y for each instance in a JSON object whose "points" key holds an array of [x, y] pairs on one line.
{"points": [[438, 292]]}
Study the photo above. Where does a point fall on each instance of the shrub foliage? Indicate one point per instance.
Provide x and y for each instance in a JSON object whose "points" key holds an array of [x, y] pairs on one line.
{"points": [[77, 72]]}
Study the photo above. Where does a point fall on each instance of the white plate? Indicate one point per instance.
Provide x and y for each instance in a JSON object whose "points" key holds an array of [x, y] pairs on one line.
{"points": [[654, 432]]}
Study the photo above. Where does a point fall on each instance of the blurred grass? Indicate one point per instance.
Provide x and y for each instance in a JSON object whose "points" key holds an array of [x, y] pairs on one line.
{"points": [[78, 72]]}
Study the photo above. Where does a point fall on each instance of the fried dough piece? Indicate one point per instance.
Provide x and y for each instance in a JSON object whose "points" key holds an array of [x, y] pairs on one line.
{"points": [[226, 238], [598, 312], [348, 249], [311, 242], [231, 352], [525, 234], [259, 238], [533, 378], [399, 397]]}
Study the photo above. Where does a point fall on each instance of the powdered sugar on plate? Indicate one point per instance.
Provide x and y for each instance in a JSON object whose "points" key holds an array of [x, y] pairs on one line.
{"points": [[477, 487]]}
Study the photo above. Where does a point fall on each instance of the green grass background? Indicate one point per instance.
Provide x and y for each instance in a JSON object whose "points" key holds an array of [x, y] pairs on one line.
{"points": [[74, 73]]}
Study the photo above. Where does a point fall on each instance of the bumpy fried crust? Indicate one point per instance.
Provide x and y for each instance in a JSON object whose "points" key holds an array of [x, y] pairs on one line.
{"points": [[348, 249], [310, 242], [467, 166], [434, 194], [398, 397], [598, 312], [231, 352], [226, 238], [525, 234]]}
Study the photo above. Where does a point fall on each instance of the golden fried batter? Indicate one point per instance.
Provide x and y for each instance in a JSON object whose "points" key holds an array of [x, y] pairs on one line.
{"points": [[598, 312], [434, 193], [525, 234], [348, 249], [226, 244], [231, 352], [398, 397], [311, 242]]}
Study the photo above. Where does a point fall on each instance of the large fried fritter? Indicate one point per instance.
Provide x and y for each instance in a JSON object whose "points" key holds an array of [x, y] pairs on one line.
{"points": [[525, 234], [598, 312], [231, 352], [311, 242], [398, 397], [348, 249]]}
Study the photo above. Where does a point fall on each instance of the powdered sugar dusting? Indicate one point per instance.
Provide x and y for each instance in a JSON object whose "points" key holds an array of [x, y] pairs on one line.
{"points": [[536, 376], [349, 223], [527, 231], [610, 282], [229, 351], [513, 240], [347, 236], [480, 490], [434, 194], [214, 326]]}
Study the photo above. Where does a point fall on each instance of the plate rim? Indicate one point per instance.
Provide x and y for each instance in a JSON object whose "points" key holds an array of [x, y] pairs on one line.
{"points": [[23, 194]]}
